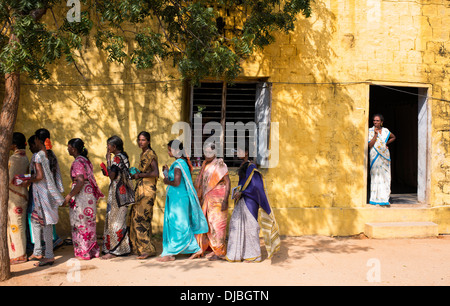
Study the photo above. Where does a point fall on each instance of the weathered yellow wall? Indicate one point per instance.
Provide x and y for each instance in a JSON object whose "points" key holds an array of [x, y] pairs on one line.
{"points": [[321, 75]]}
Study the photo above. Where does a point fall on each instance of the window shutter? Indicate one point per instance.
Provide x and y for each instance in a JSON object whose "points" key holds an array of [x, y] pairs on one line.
{"points": [[262, 120]]}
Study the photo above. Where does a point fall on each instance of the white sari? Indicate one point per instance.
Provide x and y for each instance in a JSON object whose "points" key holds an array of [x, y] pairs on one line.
{"points": [[380, 168]]}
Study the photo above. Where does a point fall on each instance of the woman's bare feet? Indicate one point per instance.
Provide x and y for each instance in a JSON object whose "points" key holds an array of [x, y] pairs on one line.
{"points": [[166, 258], [214, 257], [108, 256], [143, 256], [196, 255]]}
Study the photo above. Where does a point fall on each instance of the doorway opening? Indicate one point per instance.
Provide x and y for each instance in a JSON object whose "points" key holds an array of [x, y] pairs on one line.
{"points": [[406, 116]]}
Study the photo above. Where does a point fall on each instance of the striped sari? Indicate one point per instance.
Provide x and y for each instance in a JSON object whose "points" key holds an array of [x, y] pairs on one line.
{"points": [[243, 239]]}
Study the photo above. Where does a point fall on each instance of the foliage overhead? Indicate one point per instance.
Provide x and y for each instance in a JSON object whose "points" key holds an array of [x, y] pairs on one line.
{"points": [[202, 38]]}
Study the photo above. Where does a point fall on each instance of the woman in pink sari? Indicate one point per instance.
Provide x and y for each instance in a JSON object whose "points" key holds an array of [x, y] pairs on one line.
{"points": [[213, 188], [82, 201]]}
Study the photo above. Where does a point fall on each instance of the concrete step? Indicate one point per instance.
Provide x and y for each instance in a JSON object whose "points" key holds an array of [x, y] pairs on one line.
{"points": [[401, 229]]}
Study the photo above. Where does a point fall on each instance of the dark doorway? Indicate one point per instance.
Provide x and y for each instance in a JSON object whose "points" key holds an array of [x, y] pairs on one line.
{"points": [[399, 106]]}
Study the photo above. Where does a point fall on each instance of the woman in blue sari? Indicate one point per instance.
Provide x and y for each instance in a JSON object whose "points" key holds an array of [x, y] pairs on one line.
{"points": [[183, 216], [244, 228]]}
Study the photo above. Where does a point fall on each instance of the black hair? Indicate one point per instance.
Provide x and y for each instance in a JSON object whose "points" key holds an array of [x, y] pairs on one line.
{"points": [[31, 143], [147, 136], [176, 144], [42, 135], [19, 140], [379, 116], [78, 144], [118, 143], [243, 168]]}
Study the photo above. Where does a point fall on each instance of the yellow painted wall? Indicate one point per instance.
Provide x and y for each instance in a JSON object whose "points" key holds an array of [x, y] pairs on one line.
{"points": [[321, 74]]}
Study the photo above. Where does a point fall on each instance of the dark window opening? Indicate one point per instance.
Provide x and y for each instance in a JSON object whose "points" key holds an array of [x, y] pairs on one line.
{"points": [[225, 104]]}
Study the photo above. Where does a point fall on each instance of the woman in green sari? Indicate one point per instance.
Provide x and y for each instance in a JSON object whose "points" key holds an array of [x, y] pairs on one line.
{"points": [[183, 216]]}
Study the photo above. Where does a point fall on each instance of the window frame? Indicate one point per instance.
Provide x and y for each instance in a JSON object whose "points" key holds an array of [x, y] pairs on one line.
{"points": [[260, 83]]}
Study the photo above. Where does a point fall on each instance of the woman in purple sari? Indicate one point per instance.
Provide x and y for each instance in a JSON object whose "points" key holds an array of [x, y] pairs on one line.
{"points": [[243, 238]]}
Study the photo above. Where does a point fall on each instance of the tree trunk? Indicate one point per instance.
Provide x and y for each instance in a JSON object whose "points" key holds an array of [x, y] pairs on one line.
{"points": [[8, 117]]}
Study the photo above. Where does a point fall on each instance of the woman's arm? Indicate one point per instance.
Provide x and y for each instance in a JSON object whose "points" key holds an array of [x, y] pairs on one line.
{"points": [[154, 172], [39, 175], [391, 139], [112, 174], [176, 180], [374, 139], [227, 192], [79, 183]]}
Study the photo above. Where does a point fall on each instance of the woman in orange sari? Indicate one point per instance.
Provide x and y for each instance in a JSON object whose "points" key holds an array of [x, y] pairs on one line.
{"points": [[213, 188]]}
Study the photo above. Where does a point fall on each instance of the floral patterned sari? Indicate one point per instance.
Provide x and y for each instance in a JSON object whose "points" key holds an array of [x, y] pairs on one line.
{"points": [[116, 237], [83, 211]]}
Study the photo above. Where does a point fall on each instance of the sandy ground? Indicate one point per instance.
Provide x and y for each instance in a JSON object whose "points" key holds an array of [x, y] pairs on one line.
{"points": [[306, 260]]}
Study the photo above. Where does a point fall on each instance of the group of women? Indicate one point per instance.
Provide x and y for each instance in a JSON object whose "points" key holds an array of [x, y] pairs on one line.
{"points": [[195, 214]]}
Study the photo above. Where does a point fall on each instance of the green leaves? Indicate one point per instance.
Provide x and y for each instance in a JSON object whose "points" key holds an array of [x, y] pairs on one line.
{"points": [[31, 45], [202, 38]]}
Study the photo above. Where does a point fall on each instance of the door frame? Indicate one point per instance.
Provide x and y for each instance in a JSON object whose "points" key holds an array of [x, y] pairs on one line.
{"points": [[423, 141]]}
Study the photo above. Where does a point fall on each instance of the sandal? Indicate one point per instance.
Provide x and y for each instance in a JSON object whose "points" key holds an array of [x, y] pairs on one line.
{"points": [[43, 263], [34, 257]]}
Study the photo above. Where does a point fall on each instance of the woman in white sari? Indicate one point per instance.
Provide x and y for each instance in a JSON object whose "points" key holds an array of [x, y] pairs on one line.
{"points": [[380, 162]]}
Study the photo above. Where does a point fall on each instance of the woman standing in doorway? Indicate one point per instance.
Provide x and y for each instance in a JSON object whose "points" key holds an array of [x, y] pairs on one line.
{"points": [[142, 212], [380, 162]]}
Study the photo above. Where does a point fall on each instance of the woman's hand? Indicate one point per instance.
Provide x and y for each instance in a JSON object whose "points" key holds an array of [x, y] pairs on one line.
{"points": [[66, 200], [167, 181], [135, 176], [25, 184], [108, 158], [237, 195], [225, 204]]}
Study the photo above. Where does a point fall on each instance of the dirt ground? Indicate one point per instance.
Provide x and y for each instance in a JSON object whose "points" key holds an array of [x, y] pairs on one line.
{"points": [[306, 260]]}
